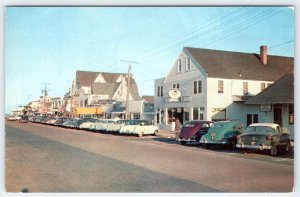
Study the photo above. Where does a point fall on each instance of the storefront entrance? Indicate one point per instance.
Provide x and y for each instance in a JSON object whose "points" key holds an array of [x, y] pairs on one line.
{"points": [[175, 113]]}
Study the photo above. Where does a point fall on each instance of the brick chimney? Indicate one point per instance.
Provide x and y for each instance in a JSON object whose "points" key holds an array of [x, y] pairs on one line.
{"points": [[263, 55]]}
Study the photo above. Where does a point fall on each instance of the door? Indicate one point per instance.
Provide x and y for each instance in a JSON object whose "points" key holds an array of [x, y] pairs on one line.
{"points": [[278, 114]]}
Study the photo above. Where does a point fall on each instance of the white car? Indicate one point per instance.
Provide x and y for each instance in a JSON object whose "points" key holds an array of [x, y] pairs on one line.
{"points": [[115, 128], [11, 118], [103, 124], [140, 128], [89, 124]]}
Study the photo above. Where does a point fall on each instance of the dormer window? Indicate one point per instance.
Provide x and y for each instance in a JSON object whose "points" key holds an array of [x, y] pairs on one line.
{"points": [[179, 65], [187, 64]]}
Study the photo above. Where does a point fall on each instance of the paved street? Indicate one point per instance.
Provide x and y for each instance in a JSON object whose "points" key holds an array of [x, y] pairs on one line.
{"points": [[43, 158]]}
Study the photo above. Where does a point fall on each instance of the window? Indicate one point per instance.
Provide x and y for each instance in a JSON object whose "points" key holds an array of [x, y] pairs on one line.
{"points": [[179, 65], [201, 116], [245, 87], [158, 91], [195, 113], [262, 86], [252, 118], [187, 64], [291, 114], [197, 87], [176, 86], [220, 86]]}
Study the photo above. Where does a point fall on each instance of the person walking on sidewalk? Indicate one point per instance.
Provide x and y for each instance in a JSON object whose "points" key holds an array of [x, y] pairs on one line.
{"points": [[177, 128]]}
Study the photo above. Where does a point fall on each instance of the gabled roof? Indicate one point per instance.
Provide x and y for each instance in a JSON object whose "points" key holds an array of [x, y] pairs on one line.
{"points": [[282, 91], [236, 65], [149, 99], [104, 88], [86, 78]]}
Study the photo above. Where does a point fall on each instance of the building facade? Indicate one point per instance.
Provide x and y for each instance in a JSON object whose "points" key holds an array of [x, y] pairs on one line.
{"points": [[213, 85]]}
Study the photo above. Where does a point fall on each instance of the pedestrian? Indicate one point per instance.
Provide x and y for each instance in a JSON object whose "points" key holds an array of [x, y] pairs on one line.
{"points": [[177, 128]]}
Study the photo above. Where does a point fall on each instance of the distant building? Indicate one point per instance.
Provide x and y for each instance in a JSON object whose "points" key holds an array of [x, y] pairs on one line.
{"points": [[105, 91], [206, 84]]}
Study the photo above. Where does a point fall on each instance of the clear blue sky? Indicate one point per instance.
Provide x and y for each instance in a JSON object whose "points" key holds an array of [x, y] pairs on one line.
{"points": [[48, 44]]}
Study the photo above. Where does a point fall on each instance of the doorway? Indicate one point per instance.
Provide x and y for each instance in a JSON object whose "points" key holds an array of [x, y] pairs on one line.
{"points": [[278, 114]]}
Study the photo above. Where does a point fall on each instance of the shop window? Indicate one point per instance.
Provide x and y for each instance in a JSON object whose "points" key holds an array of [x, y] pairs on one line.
{"points": [[186, 116], [291, 114], [220, 86]]}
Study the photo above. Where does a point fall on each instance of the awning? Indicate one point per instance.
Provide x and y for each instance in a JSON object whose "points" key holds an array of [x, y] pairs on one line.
{"points": [[88, 110]]}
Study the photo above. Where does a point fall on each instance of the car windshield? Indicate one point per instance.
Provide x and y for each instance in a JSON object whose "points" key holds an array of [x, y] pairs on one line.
{"points": [[189, 124], [260, 129]]}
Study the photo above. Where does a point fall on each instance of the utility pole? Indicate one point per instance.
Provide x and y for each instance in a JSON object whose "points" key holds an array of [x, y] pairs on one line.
{"points": [[45, 93], [128, 86]]}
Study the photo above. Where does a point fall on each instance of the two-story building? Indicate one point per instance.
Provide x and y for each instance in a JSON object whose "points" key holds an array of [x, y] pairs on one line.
{"points": [[101, 90], [206, 84]]}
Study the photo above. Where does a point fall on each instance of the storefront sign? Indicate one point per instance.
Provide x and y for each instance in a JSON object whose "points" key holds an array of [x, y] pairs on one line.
{"points": [[265, 107], [174, 94]]}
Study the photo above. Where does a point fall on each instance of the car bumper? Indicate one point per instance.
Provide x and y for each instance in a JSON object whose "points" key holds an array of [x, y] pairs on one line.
{"points": [[186, 140], [256, 147], [224, 142]]}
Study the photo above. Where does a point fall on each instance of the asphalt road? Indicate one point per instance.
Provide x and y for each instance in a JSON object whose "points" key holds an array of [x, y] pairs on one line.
{"points": [[43, 158]]}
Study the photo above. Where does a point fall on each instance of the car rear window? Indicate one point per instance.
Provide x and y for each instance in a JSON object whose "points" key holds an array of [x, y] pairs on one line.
{"points": [[260, 129]]}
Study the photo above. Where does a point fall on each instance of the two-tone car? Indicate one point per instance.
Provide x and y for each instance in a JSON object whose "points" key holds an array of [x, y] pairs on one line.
{"points": [[264, 136], [139, 128], [222, 133], [192, 131], [88, 123]]}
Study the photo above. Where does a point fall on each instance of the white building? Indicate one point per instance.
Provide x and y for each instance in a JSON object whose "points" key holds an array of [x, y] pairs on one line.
{"points": [[213, 85]]}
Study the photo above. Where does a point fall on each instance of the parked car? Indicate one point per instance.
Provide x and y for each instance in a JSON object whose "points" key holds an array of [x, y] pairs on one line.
{"points": [[102, 125], [12, 118], [265, 136], [88, 123], [115, 128], [140, 128], [192, 131], [222, 133], [24, 119], [60, 121], [72, 123]]}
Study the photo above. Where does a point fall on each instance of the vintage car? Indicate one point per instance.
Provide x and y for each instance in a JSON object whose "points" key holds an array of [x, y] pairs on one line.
{"points": [[192, 131], [264, 136], [115, 128], [24, 119], [88, 123], [12, 118], [140, 128], [222, 133], [102, 125], [72, 123], [60, 121]]}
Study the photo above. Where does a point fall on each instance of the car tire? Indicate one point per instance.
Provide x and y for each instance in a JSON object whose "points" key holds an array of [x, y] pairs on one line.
{"points": [[273, 151], [183, 142]]}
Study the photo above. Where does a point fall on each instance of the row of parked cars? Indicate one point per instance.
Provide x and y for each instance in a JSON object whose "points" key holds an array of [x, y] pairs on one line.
{"points": [[257, 136], [134, 127]]}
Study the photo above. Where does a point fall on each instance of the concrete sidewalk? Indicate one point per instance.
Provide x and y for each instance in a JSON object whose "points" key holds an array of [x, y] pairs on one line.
{"points": [[166, 134]]}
